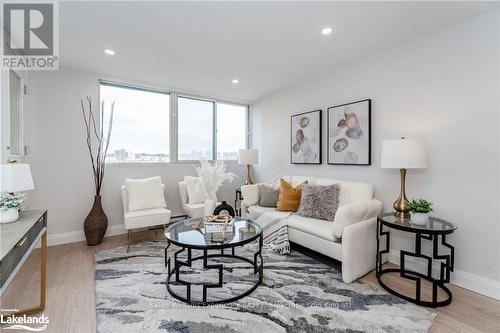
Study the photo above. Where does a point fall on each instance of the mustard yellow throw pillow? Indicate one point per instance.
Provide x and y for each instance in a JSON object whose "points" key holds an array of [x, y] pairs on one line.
{"points": [[289, 197]]}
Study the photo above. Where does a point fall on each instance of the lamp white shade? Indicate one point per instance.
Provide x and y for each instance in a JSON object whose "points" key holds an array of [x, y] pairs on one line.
{"points": [[15, 177], [248, 156], [403, 154]]}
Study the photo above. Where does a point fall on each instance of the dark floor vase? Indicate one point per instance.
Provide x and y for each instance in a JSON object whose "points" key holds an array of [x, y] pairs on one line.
{"points": [[95, 223]]}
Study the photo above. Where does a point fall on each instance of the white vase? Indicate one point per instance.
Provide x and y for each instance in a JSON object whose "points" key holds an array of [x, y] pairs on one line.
{"points": [[9, 215], [210, 205], [419, 218]]}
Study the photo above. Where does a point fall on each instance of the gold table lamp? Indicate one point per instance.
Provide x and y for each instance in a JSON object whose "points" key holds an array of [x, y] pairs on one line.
{"points": [[403, 154], [248, 157]]}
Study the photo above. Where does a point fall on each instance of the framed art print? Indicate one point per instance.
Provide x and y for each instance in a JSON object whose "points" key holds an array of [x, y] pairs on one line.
{"points": [[305, 141], [349, 132]]}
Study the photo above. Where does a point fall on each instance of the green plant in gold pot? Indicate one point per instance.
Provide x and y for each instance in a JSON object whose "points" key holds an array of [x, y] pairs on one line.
{"points": [[419, 211]]}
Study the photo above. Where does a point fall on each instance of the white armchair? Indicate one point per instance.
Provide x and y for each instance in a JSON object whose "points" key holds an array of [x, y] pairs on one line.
{"points": [[143, 218], [193, 210]]}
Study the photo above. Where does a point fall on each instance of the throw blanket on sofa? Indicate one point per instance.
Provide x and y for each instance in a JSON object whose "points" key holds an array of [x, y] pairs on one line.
{"points": [[275, 233]]}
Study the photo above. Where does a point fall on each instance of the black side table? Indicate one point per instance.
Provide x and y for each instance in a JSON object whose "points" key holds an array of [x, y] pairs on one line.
{"points": [[434, 229], [238, 197]]}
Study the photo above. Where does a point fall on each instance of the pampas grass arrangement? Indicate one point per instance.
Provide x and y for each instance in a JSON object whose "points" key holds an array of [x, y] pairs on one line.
{"points": [[213, 175]]}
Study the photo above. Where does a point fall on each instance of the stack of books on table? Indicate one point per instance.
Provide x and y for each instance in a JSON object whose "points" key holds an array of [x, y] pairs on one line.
{"points": [[214, 224]]}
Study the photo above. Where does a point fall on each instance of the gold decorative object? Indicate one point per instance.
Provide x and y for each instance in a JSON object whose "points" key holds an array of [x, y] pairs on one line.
{"points": [[248, 157], [223, 219], [403, 154], [248, 180], [401, 204]]}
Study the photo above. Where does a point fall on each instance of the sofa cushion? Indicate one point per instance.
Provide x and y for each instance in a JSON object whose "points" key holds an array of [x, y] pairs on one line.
{"points": [[255, 211], [145, 193], [146, 218], [319, 201], [353, 213], [250, 194], [276, 181], [195, 210], [268, 196], [315, 227], [297, 180], [289, 197], [349, 191]]}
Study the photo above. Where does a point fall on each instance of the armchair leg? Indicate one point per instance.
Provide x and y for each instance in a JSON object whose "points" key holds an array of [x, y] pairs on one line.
{"points": [[129, 239]]}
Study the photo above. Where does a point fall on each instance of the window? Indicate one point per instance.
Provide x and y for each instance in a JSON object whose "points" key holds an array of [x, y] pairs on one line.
{"points": [[231, 130], [143, 118], [141, 124], [195, 129]]}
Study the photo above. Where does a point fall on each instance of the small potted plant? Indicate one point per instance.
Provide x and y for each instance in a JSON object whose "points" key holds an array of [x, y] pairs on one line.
{"points": [[9, 207], [419, 210]]}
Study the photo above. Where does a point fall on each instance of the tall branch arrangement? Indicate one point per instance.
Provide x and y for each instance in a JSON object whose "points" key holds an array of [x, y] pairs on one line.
{"points": [[95, 133]]}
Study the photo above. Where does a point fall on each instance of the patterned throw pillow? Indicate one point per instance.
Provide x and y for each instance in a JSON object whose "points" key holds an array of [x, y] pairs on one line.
{"points": [[289, 197], [268, 196], [319, 202]]}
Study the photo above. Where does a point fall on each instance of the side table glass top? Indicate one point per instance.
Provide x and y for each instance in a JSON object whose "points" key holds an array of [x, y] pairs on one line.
{"points": [[184, 233], [435, 225]]}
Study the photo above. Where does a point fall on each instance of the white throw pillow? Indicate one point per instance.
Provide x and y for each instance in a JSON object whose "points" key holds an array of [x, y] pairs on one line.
{"points": [[195, 190], [145, 193]]}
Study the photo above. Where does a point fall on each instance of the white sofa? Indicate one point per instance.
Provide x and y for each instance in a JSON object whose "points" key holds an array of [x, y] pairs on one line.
{"points": [[350, 238]]}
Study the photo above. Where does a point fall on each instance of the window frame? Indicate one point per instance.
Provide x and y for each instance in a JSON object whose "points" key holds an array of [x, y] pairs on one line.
{"points": [[140, 88], [174, 120]]}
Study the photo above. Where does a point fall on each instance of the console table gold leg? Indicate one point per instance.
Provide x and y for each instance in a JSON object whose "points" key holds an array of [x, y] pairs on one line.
{"points": [[129, 239], [43, 283]]}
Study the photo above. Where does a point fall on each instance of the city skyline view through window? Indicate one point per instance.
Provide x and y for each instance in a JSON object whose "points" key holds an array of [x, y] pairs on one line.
{"points": [[141, 126]]}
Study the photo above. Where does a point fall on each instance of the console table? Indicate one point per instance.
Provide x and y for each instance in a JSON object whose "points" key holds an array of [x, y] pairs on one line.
{"points": [[17, 241], [432, 231]]}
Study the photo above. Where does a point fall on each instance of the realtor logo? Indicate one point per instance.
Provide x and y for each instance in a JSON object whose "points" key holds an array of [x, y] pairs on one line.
{"points": [[30, 35]]}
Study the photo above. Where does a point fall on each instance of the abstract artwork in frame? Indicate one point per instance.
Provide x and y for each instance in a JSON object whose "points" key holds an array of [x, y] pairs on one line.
{"points": [[305, 141], [349, 133]]}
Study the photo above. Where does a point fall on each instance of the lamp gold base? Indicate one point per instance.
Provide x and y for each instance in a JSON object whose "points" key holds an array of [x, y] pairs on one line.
{"points": [[248, 180], [401, 207], [402, 215]]}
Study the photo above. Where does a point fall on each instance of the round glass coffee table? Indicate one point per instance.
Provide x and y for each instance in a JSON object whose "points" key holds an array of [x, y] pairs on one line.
{"points": [[190, 237], [432, 231]]}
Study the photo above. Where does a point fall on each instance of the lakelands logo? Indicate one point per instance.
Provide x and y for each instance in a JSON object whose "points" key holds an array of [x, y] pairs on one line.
{"points": [[33, 324], [30, 35]]}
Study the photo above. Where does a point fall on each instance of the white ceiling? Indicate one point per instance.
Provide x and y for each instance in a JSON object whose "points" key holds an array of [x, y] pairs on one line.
{"points": [[200, 46]]}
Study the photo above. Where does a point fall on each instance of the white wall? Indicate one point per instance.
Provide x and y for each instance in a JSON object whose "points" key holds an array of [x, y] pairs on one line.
{"points": [[443, 88], [60, 163]]}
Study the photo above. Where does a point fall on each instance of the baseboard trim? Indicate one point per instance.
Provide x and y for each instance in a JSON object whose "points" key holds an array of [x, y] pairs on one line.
{"points": [[78, 236], [463, 279]]}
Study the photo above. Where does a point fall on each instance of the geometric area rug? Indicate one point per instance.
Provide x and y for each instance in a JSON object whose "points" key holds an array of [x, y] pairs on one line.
{"points": [[298, 294]]}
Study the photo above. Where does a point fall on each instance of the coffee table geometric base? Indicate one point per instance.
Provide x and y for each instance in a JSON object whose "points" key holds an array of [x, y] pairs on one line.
{"points": [[257, 264]]}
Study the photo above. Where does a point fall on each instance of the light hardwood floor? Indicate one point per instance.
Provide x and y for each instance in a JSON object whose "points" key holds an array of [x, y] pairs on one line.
{"points": [[71, 294]]}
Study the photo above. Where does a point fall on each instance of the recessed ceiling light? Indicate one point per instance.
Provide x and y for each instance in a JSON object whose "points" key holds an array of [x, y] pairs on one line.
{"points": [[326, 31], [109, 51], [235, 81]]}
